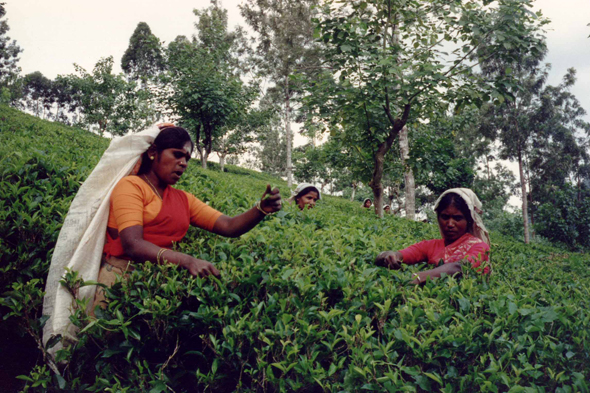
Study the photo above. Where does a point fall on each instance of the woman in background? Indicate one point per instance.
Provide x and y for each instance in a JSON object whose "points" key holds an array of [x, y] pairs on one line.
{"points": [[464, 238], [305, 194]]}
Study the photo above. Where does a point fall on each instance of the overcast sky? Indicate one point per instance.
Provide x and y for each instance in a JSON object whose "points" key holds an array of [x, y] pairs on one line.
{"points": [[57, 33]]}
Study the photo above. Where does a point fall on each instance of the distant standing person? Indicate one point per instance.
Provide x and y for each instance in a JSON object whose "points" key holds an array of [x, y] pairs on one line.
{"points": [[367, 203], [305, 194], [464, 238]]}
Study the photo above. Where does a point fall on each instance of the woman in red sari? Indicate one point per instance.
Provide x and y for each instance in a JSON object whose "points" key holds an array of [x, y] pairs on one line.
{"points": [[147, 215], [464, 238]]}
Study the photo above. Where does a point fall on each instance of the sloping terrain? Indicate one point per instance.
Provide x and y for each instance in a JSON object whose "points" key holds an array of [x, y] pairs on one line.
{"points": [[299, 306]]}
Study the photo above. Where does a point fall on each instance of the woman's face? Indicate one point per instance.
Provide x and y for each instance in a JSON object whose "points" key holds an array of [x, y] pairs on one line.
{"points": [[452, 223], [308, 199], [368, 203], [170, 164]]}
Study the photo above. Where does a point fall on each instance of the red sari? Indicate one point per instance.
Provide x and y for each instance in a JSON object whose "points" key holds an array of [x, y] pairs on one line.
{"points": [[433, 251], [170, 225]]}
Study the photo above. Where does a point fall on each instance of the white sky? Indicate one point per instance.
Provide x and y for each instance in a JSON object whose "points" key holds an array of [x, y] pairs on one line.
{"points": [[57, 33]]}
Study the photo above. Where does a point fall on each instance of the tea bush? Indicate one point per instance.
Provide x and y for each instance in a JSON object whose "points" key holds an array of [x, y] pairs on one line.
{"points": [[299, 305]]}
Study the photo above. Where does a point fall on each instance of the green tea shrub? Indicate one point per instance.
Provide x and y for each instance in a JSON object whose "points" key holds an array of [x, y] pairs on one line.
{"points": [[299, 306]]}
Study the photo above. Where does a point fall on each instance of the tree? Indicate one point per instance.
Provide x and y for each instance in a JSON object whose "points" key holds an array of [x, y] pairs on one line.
{"points": [[241, 132], [203, 75], [106, 101], [143, 60], [37, 93], [9, 50], [388, 68], [270, 152], [286, 46], [559, 154], [514, 121]]}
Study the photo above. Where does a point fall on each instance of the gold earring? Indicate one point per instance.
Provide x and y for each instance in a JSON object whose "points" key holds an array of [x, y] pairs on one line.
{"points": [[152, 157]]}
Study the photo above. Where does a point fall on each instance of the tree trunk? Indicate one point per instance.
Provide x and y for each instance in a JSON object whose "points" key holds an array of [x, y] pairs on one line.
{"points": [[528, 176], [408, 174], [222, 162], [376, 183], [353, 192], [289, 137], [525, 217], [204, 158]]}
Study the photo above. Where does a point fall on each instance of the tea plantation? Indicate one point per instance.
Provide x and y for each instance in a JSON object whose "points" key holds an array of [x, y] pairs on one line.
{"points": [[299, 305]]}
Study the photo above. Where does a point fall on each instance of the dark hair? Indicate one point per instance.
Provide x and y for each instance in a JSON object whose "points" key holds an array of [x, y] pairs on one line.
{"points": [[305, 191], [454, 199], [168, 138]]}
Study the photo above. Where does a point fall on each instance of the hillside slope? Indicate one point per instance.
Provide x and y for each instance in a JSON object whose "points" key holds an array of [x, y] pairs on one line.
{"points": [[299, 305]]}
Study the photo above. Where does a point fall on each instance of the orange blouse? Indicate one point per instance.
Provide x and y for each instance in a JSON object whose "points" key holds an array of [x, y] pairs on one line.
{"points": [[134, 202]]}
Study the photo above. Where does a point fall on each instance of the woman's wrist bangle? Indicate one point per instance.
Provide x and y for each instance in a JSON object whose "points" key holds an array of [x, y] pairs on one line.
{"points": [[160, 252], [257, 205], [417, 276]]}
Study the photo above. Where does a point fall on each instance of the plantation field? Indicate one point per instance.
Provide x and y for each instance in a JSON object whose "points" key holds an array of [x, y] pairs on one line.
{"points": [[299, 305]]}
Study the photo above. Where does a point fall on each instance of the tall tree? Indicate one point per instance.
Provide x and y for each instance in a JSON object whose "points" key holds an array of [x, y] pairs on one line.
{"points": [[241, 131], [384, 82], [37, 89], [9, 50], [270, 151], [10, 81], [143, 60], [514, 121], [203, 74], [559, 152], [286, 46]]}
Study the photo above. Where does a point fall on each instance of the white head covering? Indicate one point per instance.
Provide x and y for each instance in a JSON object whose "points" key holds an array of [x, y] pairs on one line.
{"points": [[81, 240], [477, 229], [302, 187]]}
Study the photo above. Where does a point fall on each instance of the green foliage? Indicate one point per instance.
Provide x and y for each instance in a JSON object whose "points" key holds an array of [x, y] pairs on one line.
{"points": [[387, 66], [565, 217], [107, 102], [436, 161], [143, 59], [40, 176], [299, 304]]}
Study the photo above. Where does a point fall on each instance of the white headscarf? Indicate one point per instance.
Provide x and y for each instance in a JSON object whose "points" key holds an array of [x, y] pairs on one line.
{"points": [[475, 208], [302, 187], [81, 240]]}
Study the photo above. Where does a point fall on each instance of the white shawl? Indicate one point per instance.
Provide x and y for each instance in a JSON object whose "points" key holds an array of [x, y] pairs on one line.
{"points": [[81, 240], [475, 208]]}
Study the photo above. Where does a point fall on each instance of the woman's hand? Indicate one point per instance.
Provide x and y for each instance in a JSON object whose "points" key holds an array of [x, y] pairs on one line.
{"points": [[389, 259], [273, 203], [451, 269], [198, 267], [242, 223]]}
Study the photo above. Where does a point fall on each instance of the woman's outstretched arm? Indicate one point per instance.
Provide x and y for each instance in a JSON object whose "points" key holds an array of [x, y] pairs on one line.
{"points": [[242, 223]]}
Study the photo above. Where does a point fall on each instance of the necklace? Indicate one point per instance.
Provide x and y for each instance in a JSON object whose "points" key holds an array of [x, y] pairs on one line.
{"points": [[154, 188]]}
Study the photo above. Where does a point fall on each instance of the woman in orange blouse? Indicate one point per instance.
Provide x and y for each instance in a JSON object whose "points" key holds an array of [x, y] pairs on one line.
{"points": [[147, 214]]}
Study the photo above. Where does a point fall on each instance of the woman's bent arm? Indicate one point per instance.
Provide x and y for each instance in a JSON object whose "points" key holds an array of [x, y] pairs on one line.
{"points": [[141, 250]]}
